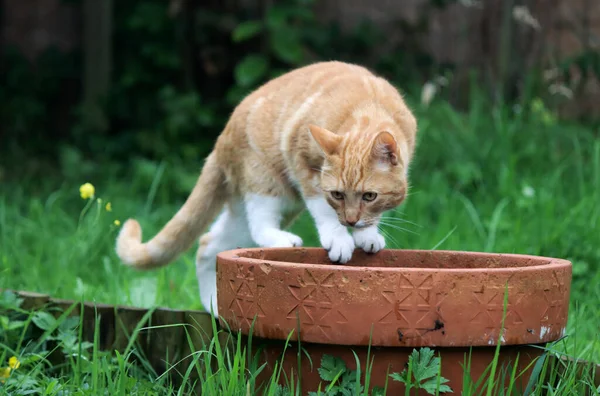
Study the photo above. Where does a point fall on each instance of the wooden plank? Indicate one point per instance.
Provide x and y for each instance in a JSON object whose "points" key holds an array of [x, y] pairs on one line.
{"points": [[166, 339], [33, 301]]}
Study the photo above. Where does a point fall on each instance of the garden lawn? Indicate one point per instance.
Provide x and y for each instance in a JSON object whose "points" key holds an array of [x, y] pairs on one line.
{"points": [[488, 180]]}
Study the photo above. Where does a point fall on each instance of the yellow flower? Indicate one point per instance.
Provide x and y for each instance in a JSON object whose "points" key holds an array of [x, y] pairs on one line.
{"points": [[87, 190], [108, 207], [4, 373], [14, 363], [117, 223]]}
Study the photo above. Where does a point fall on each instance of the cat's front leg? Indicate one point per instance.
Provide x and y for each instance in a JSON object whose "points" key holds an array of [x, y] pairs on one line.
{"points": [[334, 237], [264, 214], [369, 239]]}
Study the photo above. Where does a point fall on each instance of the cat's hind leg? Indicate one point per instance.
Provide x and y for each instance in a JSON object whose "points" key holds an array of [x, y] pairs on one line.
{"points": [[229, 231], [265, 215]]}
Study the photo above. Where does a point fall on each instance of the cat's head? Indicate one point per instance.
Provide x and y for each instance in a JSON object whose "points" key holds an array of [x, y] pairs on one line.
{"points": [[363, 175]]}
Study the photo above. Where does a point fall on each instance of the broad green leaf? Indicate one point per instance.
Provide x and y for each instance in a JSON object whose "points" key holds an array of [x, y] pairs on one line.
{"points": [[349, 380], [86, 345], [4, 321], [251, 69], [30, 359], [69, 323], [246, 30], [424, 365], [9, 299], [278, 16], [424, 368], [44, 320], [50, 387], [400, 377], [287, 46], [15, 324], [331, 367], [431, 386]]}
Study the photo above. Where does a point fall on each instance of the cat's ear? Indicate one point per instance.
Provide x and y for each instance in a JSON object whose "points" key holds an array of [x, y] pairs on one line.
{"points": [[327, 140], [385, 149]]}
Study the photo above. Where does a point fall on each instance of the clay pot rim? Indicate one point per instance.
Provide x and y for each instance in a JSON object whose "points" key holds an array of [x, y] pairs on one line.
{"points": [[457, 292], [549, 262]]}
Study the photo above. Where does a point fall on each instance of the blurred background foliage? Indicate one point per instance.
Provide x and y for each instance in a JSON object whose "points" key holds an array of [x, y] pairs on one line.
{"points": [[179, 67]]}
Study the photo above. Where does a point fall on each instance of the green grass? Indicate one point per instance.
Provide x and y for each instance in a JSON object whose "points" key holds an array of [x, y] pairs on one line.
{"points": [[490, 180]]}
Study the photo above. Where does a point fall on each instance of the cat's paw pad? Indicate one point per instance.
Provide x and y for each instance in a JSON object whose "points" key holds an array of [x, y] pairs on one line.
{"points": [[279, 239], [339, 244], [369, 240]]}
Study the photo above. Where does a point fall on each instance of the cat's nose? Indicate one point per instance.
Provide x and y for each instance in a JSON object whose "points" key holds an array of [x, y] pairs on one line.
{"points": [[352, 220]]}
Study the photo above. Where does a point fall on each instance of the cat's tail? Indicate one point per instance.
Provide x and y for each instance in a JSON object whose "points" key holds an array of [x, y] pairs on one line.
{"points": [[201, 207]]}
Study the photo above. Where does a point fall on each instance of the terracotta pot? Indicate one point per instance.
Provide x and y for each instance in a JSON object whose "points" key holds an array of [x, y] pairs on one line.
{"points": [[395, 300]]}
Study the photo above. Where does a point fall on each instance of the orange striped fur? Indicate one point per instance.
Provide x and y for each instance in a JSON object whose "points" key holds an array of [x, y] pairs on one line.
{"points": [[330, 135]]}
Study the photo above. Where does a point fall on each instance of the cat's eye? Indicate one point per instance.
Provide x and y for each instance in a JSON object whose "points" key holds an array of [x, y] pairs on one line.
{"points": [[337, 195], [369, 196]]}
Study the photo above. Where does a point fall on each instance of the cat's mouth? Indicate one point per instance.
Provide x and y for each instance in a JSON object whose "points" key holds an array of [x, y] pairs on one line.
{"points": [[357, 226]]}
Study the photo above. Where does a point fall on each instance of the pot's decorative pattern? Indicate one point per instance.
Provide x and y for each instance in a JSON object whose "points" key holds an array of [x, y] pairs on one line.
{"points": [[248, 296], [396, 298], [414, 307], [553, 303], [312, 304], [489, 306]]}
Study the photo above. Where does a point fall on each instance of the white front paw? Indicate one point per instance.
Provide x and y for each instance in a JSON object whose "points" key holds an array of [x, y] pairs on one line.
{"points": [[339, 243], [274, 238], [369, 240]]}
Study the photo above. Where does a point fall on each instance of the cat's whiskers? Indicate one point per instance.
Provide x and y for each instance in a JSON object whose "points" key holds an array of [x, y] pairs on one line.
{"points": [[397, 210], [410, 193], [396, 227], [401, 220], [388, 236]]}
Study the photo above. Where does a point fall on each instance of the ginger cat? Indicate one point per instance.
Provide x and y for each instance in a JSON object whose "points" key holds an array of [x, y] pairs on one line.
{"points": [[331, 135]]}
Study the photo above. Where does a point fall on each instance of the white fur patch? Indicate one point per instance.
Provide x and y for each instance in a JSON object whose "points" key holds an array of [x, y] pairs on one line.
{"points": [[220, 239], [264, 215], [383, 166], [334, 237]]}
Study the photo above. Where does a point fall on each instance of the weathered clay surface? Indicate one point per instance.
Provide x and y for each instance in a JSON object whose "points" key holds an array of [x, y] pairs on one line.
{"points": [[394, 298]]}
